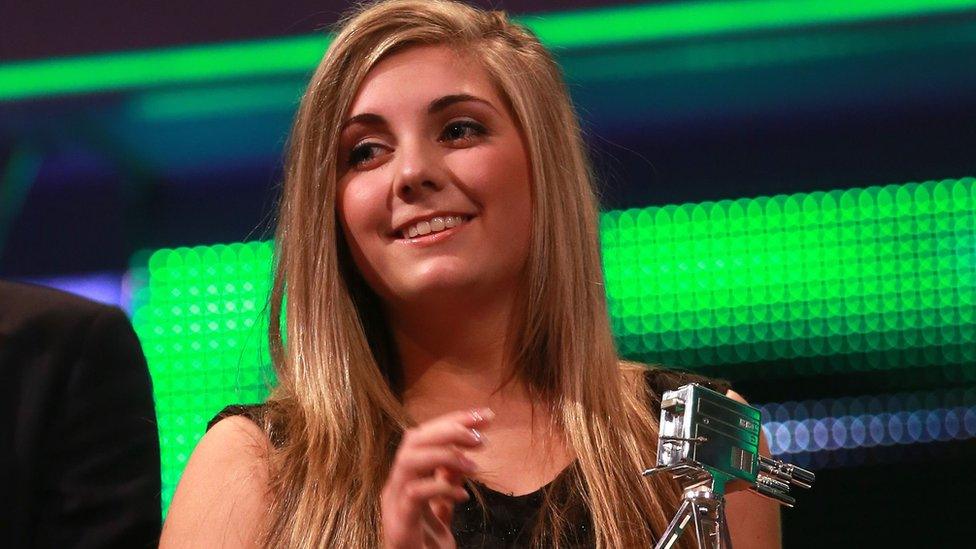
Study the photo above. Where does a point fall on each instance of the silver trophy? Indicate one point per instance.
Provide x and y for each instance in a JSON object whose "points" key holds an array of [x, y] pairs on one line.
{"points": [[705, 441]]}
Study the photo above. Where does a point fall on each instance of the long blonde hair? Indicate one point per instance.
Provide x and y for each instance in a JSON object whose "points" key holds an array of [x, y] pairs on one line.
{"points": [[335, 416]]}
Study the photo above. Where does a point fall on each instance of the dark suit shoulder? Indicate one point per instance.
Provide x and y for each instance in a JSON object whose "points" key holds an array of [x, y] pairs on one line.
{"points": [[40, 311], [80, 400]]}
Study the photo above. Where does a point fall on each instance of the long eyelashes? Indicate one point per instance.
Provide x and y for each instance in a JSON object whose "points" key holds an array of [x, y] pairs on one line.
{"points": [[474, 127], [461, 130], [360, 154]]}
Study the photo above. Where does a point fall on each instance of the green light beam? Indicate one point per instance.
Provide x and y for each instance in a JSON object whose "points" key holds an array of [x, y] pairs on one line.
{"points": [[616, 26], [879, 272]]}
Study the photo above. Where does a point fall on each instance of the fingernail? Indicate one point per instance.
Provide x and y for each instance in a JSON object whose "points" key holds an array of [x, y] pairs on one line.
{"points": [[477, 436], [482, 414]]}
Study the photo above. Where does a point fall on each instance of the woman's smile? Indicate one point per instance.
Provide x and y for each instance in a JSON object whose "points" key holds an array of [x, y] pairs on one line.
{"points": [[431, 230]]}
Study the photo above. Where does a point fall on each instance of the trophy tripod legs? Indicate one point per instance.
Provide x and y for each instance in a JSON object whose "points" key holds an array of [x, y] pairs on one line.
{"points": [[726, 539], [707, 513], [676, 527]]}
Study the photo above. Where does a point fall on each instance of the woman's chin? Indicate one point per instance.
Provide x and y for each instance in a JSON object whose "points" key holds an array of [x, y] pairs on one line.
{"points": [[440, 287], [448, 283]]}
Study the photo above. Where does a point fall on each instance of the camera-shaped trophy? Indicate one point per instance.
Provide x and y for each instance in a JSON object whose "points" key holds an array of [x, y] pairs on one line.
{"points": [[705, 441]]}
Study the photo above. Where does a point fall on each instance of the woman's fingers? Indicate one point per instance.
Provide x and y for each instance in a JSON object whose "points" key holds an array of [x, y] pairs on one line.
{"points": [[414, 496], [437, 533], [460, 428], [427, 477], [422, 490], [436, 444], [423, 462], [442, 507]]}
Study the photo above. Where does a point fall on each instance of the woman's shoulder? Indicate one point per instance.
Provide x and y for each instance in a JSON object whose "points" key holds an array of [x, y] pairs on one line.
{"points": [[661, 379], [259, 414], [657, 380], [253, 412], [223, 495]]}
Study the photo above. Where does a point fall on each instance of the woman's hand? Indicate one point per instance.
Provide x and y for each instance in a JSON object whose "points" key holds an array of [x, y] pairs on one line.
{"points": [[427, 479]]}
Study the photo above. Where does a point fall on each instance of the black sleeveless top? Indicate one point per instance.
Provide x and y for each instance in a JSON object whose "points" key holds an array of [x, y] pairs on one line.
{"points": [[508, 520]]}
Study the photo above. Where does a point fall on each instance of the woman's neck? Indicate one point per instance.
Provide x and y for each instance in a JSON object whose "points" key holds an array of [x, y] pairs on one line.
{"points": [[454, 357]]}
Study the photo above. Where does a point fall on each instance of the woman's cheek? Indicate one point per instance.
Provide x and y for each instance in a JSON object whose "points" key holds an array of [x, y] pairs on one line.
{"points": [[362, 207]]}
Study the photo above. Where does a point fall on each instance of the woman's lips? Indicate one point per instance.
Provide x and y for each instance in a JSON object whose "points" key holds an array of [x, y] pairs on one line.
{"points": [[430, 239]]}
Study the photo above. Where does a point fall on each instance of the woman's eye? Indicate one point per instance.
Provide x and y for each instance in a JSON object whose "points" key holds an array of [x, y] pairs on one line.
{"points": [[464, 129], [362, 153]]}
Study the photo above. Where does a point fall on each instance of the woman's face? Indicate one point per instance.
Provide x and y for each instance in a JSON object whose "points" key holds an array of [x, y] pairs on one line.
{"points": [[434, 180]]}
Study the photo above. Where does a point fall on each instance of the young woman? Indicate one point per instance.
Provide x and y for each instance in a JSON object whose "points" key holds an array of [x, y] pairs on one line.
{"points": [[446, 371]]}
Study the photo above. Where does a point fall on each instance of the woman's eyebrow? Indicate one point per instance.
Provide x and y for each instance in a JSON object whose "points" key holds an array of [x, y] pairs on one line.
{"points": [[442, 103], [364, 118], [435, 106]]}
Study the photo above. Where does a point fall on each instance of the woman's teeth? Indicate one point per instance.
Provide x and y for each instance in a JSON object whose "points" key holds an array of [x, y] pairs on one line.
{"points": [[435, 225]]}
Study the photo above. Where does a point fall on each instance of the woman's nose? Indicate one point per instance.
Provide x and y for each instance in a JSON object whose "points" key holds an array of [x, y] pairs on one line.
{"points": [[418, 171]]}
